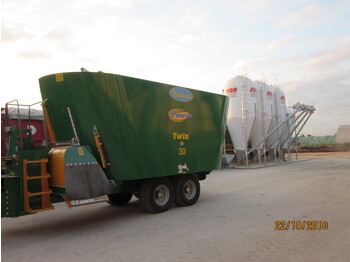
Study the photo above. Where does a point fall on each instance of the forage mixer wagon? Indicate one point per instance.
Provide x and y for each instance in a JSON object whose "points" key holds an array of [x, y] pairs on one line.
{"points": [[114, 136]]}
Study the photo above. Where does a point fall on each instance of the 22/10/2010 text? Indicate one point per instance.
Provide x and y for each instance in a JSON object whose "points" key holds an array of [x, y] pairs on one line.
{"points": [[301, 225]]}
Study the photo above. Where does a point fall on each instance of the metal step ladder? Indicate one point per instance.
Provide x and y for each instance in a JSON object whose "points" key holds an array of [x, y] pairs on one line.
{"points": [[45, 190]]}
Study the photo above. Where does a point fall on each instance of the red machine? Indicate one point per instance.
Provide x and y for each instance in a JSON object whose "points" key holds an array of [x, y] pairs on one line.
{"points": [[33, 121]]}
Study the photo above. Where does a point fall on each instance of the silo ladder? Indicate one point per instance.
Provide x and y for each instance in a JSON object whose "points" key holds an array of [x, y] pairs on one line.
{"points": [[45, 191]]}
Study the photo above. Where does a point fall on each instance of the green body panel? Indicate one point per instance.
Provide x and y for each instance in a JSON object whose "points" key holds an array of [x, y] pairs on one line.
{"points": [[12, 199], [141, 134], [10, 196]]}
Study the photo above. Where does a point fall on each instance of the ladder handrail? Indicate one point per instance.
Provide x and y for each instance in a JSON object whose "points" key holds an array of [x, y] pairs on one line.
{"points": [[7, 120], [19, 120], [45, 191]]}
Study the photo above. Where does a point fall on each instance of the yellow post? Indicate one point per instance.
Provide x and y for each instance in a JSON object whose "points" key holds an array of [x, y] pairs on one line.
{"points": [[99, 149], [25, 187], [48, 124]]}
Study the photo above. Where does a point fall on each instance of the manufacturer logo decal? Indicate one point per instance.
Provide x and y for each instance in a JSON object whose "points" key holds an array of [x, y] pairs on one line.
{"points": [[59, 77], [181, 94], [252, 90], [269, 95], [231, 90], [32, 129], [182, 168], [179, 115], [181, 136]]}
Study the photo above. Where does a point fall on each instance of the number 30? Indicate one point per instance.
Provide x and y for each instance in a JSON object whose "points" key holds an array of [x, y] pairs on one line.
{"points": [[182, 151]]}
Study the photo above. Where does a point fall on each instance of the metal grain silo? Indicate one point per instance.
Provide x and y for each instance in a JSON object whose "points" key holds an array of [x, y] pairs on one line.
{"points": [[264, 113], [258, 127], [270, 141], [241, 113], [283, 117], [290, 124], [267, 110]]}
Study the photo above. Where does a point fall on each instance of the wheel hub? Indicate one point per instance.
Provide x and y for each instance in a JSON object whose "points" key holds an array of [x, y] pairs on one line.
{"points": [[190, 189], [161, 195]]}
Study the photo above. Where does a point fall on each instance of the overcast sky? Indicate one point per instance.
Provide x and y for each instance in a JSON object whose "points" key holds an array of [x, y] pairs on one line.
{"points": [[301, 45]]}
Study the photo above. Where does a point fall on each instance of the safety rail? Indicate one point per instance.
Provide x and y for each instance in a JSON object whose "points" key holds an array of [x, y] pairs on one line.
{"points": [[7, 119]]}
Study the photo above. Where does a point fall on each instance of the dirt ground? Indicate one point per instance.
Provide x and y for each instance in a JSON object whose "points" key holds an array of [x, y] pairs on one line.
{"points": [[322, 155], [234, 220]]}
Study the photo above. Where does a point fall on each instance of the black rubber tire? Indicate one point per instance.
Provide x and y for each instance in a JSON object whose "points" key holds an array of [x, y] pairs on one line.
{"points": [[137, 195], [187, 190], [119, 199], [151, 193]]}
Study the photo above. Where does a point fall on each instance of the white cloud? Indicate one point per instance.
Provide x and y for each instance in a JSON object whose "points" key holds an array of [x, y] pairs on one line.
{"points": [[119, 4], [250, 20], [14, 32], [249, 6], [345, 40], [188, 38], [309, 15], [329, 59], [190, 19], [281, 43], [34, 53]]}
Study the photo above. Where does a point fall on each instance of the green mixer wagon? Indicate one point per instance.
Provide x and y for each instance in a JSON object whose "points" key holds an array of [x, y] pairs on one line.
{"points": [[119, 136]]}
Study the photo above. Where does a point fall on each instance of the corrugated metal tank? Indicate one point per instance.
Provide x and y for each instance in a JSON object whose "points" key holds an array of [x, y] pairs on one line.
{"points": [[258, 127], [291, 123], [241, 113], [274, 118], [267, 107], [264, 113], [282, 117]]}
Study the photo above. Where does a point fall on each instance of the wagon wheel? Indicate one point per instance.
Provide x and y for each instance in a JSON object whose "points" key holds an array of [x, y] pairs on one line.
{"points": [[119, 199], [187, 189], [156, 195]]}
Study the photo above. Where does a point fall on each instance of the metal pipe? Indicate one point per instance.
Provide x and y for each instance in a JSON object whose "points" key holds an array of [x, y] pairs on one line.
{"points": [[289, 133], [288, 127], [280, 144], [73, 126], [301, 128], [278, 127], [272, 132], [19, 120], [296, 146]]}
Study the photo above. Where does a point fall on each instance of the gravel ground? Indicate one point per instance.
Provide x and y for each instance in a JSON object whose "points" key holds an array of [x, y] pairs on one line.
{"points": [[234, 220]]}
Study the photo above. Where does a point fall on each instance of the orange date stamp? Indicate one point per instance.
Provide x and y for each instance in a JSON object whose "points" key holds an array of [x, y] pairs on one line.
{"points": [[301, 225]]}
